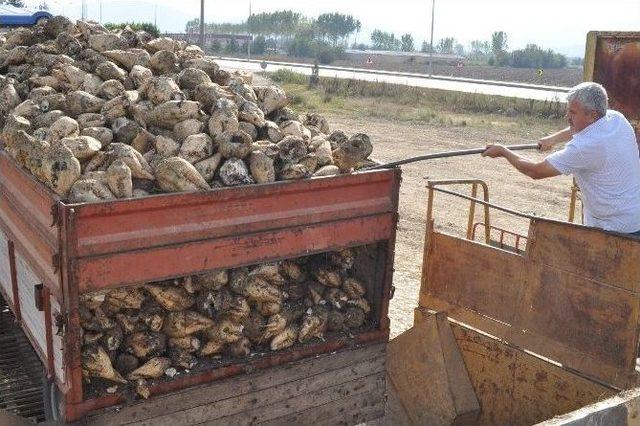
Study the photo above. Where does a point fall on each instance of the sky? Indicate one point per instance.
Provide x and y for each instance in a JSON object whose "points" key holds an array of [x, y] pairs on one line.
{"points": [[558, 24]]}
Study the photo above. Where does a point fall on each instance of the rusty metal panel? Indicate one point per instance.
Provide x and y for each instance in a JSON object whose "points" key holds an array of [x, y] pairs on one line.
{"points": [[33, 199], [552, 301], [477, 277], [516, 388], [613, 59], [95, 273], [588, 253], [118, 226]]}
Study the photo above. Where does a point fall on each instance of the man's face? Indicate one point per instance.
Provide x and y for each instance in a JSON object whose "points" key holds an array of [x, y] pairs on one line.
{"points": [[579, 117]]}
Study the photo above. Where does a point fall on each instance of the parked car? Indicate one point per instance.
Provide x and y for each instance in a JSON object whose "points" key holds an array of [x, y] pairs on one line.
{"points": [[16, 17]]}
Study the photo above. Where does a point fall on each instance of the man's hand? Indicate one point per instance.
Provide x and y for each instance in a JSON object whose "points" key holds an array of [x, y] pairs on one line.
{"points": [[546, 143], [495, 151]]}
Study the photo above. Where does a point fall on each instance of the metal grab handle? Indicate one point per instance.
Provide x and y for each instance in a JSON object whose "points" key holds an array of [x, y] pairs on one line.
{"points": [[432, 184]]}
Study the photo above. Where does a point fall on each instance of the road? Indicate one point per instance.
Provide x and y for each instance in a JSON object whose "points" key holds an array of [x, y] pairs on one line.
{"points": [[516, 90]]}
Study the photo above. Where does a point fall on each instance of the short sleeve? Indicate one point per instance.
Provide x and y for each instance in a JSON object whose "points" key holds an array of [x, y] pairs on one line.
{"points": [[571, 159]]}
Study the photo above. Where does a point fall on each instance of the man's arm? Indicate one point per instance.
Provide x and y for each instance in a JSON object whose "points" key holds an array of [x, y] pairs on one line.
{"points": [[539, 170], [548, 142]]}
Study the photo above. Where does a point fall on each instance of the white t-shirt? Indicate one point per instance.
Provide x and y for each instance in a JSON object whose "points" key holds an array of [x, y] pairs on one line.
{"points": [[604, 160]]}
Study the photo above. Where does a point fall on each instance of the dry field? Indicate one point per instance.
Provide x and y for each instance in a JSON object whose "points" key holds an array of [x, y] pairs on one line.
{"points": [[395, 140]]}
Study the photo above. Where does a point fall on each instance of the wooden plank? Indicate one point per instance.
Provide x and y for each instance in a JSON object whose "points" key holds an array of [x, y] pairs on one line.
{"points": [[479, 277], [245, 407], [207, 394], [311, 407], [590, 253], [356, 409]]}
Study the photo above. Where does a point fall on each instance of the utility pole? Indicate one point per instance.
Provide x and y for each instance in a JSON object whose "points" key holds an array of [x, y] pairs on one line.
{"points": [[202, 24], [155, 15], [249, 28], [101, 11], [83, 13], [433, 10]]}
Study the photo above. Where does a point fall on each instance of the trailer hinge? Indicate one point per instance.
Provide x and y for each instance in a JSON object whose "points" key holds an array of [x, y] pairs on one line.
{"points": [[55, 261], [38, 294], [392, 292], [55, 215]]}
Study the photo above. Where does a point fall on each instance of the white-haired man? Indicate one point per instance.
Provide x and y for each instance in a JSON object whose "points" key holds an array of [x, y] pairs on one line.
{"points": [[602, 155]]}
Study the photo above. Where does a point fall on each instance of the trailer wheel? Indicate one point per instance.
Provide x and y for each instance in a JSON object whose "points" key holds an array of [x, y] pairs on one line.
{"points": [[51, 396], [42, 21]]}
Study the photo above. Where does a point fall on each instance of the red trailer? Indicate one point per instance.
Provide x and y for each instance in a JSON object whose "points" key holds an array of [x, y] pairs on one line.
{"points": [[52, 252]]}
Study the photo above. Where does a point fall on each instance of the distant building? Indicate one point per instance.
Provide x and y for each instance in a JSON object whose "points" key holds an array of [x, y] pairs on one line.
{"points": [[368, 56]]}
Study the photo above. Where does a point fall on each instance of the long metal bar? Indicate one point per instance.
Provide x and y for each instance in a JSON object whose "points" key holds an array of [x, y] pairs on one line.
{"points": [[446, 155], [484, 203]]}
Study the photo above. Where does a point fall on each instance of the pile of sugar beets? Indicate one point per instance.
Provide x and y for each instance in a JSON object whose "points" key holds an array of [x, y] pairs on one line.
{"points": [[136, 334], [99, 115]]}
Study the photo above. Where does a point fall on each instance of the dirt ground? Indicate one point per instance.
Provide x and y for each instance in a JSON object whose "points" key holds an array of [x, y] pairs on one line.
{"points": [[394, 141]]}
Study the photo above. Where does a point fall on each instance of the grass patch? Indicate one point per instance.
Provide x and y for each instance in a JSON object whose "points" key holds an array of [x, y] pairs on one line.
{"points": [[415, 104]]}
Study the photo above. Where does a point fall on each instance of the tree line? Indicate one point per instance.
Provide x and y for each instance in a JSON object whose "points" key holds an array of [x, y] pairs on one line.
{"points": [[491, 52], [323, 37], [326, 36]]}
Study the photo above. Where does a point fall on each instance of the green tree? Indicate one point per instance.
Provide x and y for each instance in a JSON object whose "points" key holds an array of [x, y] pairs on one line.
{"points": [[499, 42], [446, 45], [381, 40], [426, 47], [259, 45], [232, 46], [407, 43], [533, 56], [336, 27]]}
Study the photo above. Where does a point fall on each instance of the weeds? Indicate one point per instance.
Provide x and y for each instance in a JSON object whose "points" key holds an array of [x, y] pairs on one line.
{"points": [[385, 100]]}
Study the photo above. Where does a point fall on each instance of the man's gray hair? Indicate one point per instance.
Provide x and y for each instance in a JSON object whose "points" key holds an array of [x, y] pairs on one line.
{"points": [[590, 95]]}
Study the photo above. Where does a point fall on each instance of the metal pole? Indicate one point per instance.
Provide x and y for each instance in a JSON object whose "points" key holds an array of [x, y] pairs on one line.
{"points": [[155, 15], [249, 28], [202, 24], [433, 10], [101, 11]]}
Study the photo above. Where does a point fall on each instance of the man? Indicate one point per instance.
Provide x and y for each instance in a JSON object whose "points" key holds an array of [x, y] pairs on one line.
{"points": [[602, 156]]}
